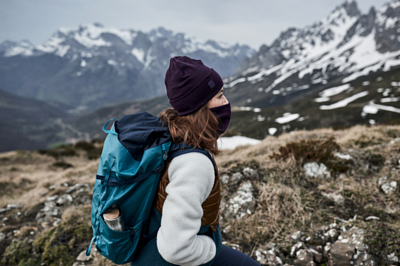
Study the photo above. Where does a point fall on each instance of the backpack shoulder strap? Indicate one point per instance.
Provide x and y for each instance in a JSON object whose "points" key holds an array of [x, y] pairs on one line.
{"points": [[179, 149]]}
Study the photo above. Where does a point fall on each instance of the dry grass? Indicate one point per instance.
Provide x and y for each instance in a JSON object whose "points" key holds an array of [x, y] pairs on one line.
{"points": [[286, 200], [289, 201], [36, 174]]}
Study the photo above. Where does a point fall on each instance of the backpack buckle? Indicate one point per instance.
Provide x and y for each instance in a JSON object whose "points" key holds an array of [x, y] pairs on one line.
{"points": [[159, 169]]}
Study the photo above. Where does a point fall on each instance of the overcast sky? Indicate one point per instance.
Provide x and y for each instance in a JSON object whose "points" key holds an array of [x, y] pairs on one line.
{"points": [[252, 22]]}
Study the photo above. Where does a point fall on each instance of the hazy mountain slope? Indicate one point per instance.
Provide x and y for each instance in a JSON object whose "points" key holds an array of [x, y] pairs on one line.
{"points": [[28, 123], [368, 100], [90, 124], [90, 65]]}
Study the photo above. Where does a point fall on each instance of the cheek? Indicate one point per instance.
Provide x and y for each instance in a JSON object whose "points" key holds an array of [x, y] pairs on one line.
{"points": [[214, 102]]}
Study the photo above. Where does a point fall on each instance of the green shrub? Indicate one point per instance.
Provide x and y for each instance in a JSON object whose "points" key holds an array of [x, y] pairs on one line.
{"points": [[62, 164], [84, 145], [309, 150]]}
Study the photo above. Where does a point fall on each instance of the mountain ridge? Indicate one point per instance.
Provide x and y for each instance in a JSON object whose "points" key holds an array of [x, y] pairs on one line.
{"points": [[89, 66]]}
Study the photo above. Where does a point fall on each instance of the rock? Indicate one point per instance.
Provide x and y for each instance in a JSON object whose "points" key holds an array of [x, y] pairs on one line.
{"points": [[324, 228], [45, 224], [53, 187], [242, 203], [342, 253], [73, 188], [389, 187], [64, 198], [363, 259], [296, 247], [65, 184], [225, 179], [226, 229], [82, 256], [343, 156], [4, 210], [370, 218], [231, 245], [393, 257], [318, 257], [382, 180], [236, 178], [304, 258], [248, 172], [76, 186], [44, 193], [267, 257], [56, 222], [52, 198], [2, 236], [327, 248], [336, 197], [334, 225], [346, 246], [332, 235], [314, 169], [13, 206], [296, 236]]}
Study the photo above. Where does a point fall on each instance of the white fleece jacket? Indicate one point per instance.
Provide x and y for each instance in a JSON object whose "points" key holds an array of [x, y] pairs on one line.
{"points": [[191, 177]]}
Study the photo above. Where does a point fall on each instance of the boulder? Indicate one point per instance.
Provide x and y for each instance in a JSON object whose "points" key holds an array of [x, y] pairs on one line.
{"points": [[82, 256], [248, 172], [389, 188], [344, 249], [363, 259], [304, 258], [334, 196], [242, 203], [269, 257], [314, 169], [236, 178]]}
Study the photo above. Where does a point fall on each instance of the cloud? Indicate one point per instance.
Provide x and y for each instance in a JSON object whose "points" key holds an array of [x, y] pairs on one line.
{"points": [[252, 22]]}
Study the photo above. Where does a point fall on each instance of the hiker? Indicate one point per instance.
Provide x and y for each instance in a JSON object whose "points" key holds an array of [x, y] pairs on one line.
{"points": [[186, 206]]}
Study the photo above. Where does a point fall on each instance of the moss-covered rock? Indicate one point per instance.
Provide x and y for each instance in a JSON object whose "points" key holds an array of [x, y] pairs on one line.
{"points": [[60, 245], [20, 253], [383, 240]]}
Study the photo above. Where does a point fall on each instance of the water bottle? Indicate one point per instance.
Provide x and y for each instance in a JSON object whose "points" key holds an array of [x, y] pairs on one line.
{"points": [[113, 218]]}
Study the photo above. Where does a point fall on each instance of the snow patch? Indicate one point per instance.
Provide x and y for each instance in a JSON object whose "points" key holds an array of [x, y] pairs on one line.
{"points": [[230, 143], [272, 130], [344, 102], [139, 54], [286, 118], [373, 108], [334, 91]]}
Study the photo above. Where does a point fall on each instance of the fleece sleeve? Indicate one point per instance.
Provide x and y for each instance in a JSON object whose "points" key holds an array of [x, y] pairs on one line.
{"points": [[191, 178]]}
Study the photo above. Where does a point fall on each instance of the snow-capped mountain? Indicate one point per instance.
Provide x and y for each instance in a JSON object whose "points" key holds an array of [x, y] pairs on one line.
{"points": [[340, 48], [92, 65]]}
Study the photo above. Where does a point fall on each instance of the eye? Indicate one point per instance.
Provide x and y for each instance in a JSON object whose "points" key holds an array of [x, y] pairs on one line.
{"points": [[220, 96]]}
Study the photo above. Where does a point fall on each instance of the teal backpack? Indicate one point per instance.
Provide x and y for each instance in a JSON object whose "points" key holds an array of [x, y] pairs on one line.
{"points": [[135, 152]]}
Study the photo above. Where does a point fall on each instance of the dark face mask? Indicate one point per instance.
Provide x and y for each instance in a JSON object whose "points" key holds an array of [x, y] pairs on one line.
{"points": [[223, 114]]}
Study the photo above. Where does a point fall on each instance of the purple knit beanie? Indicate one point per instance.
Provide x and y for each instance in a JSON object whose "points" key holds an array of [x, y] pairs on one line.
{"points": [[190, 84]]}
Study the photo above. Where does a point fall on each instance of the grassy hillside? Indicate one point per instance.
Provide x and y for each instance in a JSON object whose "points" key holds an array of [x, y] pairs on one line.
{"points": [[266, 198]]}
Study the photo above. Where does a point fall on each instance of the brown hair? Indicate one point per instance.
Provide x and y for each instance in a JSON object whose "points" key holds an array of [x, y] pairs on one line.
{"points": [[197, 129]]}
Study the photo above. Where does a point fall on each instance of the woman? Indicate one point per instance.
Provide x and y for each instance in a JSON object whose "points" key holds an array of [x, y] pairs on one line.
{"points": [[186, 212]]}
